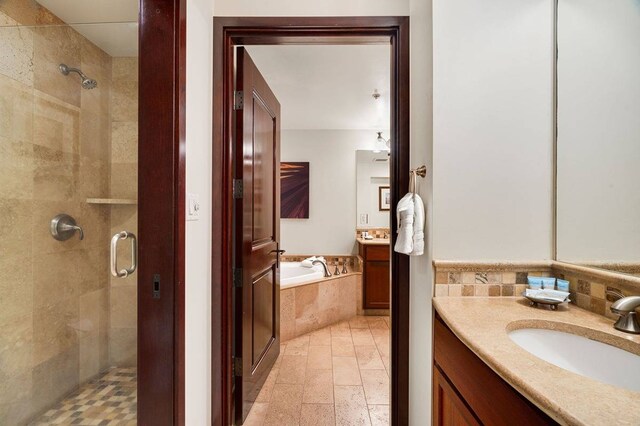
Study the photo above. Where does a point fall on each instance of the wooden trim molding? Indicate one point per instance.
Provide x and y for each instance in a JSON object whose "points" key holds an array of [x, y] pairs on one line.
{"points": [[231, 31], [161, 212]]}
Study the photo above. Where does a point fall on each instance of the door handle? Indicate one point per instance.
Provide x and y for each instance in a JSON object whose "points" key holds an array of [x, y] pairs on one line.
{"points": [[278, 254], [123, 273]]}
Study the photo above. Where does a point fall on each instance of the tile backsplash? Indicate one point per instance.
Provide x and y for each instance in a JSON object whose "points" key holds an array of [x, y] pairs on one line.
{"points": [[588, 286], [374, 232]]}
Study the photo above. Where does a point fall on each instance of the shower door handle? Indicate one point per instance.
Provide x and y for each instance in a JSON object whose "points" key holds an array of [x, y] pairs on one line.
{"points": [[123, 273]]}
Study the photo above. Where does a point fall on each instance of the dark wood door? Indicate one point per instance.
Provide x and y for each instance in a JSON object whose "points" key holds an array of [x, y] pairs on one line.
{"points": [[257, 340]]}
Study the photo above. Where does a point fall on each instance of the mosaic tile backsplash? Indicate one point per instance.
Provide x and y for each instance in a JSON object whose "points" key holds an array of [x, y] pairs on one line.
{"points": [[588, 287]]}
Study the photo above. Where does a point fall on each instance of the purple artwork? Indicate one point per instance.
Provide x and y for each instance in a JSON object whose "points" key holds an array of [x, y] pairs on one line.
{"points": [[294, 190]]}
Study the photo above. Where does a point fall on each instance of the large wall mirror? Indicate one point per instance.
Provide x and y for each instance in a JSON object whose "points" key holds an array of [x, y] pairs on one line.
{"points": [[372, 182], [598, 141]]}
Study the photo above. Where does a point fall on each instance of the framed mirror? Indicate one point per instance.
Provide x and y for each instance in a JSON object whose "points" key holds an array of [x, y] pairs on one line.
{"points": [[372, 189], [598, 134]]}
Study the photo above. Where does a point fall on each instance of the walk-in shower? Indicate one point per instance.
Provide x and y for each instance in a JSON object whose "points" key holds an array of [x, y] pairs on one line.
{"points": [[68, 184], [87, 83]]}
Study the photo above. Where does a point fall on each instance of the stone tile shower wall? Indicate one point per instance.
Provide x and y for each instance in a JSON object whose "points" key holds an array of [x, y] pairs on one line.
{"points": [[55, 152], [124, 185]]}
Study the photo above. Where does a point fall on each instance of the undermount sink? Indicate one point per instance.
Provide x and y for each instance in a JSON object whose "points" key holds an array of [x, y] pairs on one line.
{"points": [[581, 355]]}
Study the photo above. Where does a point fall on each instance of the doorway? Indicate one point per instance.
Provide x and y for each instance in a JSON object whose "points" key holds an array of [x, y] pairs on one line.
{"points": [[232, 32]]}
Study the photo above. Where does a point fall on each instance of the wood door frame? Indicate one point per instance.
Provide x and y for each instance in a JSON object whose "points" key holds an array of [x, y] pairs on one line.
{"points": [[161, 211], [229, 31]]}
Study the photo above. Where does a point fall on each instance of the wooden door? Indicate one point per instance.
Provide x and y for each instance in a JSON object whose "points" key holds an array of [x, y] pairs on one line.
{"points": [[257, 316]]}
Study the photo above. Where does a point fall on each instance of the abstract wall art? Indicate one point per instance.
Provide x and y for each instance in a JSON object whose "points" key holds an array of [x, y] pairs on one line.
{"points": [[294, 190]]}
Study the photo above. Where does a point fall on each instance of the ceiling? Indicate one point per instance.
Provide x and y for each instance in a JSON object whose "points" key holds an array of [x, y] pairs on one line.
{"points": [[328, 87], [111, 25]]}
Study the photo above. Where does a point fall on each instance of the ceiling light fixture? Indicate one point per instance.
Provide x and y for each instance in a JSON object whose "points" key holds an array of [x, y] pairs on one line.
{"points": [[382, 144]]}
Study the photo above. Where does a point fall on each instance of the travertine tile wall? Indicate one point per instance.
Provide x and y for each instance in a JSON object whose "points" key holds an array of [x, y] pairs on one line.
{"points": [[587, 286], [489, 280], [310, 307], [124, 184], [54, 153]]}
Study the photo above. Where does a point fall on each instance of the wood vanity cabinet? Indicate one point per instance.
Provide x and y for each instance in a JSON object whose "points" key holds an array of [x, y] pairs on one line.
{"points": [[376, 276], [468, 392]]}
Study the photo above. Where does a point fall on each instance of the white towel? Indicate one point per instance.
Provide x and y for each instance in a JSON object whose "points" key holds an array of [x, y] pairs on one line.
{"points": [[411, 219], [418, 226], [404, 213]]}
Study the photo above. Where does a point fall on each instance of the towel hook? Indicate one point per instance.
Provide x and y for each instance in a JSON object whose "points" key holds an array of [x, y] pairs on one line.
{"points": [[413, 180]]}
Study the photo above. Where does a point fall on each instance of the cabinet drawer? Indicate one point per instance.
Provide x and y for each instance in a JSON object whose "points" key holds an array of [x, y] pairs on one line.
{"points": [[376, 253]]}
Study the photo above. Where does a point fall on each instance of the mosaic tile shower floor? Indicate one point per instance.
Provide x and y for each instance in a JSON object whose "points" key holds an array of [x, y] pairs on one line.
{"points": [[107, 400]]}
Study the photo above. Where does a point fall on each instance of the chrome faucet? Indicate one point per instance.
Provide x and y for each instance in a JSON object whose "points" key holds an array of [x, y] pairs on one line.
{"points": [[625, 307], [327, 274]]}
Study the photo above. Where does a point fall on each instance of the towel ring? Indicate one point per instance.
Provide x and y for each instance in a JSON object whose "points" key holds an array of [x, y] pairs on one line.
{"points": [[413, 177]]}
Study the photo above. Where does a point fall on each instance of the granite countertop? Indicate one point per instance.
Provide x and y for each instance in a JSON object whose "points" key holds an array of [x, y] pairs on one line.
{"points": [[374, 242], [482, 323]]}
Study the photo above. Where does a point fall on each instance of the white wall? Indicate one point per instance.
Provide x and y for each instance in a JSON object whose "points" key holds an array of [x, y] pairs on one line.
{"points": [[599, 130], [421, 153], [311, 8], [421, 271], [331, 154], [198, 234], [492, 126]]}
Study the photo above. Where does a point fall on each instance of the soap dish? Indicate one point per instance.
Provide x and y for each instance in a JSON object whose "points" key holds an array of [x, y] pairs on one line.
{"points": [[552, 303]]}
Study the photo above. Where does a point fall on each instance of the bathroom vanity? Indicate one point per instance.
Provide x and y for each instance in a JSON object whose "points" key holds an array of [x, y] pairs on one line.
{"points": [[481, 375], [376, 276]]}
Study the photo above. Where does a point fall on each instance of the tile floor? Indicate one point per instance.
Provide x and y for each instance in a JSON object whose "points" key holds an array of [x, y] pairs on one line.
{"points": [[338, 375], [108, 400]]}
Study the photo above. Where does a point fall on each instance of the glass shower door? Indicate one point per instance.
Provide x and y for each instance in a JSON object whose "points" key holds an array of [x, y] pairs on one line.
{"points": [[68, 184]]}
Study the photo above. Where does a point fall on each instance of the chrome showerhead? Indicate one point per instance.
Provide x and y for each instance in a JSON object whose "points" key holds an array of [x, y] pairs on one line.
{"points": [[87, 83]]}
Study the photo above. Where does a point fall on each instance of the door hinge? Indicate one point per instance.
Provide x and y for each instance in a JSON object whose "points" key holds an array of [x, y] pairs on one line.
{"points": [[237, 367], [237, 277], [238, 188], [238, 100]]}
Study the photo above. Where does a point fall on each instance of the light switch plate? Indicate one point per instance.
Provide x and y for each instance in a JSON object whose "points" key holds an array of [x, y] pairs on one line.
{"points": [[193, 207], [364, 218]]}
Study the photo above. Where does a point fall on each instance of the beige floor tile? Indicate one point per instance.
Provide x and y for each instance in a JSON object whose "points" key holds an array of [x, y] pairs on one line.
{"points": [[341, 331], [298, 346], [257, 414], [379, 415], [317, 415], [267, 387], [335, 375], [346, 372], [377, 322], [292, 369], [342, 346], [285, 405], [369, 358], [321, 337], [362, 337], [376, 386], [358, 322], [319, 358], [351, 406], [318, 387]]}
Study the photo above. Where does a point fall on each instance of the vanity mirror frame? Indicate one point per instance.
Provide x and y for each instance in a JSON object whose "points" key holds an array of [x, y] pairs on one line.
{"points": [[575, 265]]}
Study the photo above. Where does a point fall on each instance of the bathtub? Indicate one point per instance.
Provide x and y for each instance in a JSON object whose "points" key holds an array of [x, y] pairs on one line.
{"points": [[293, 274]]}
